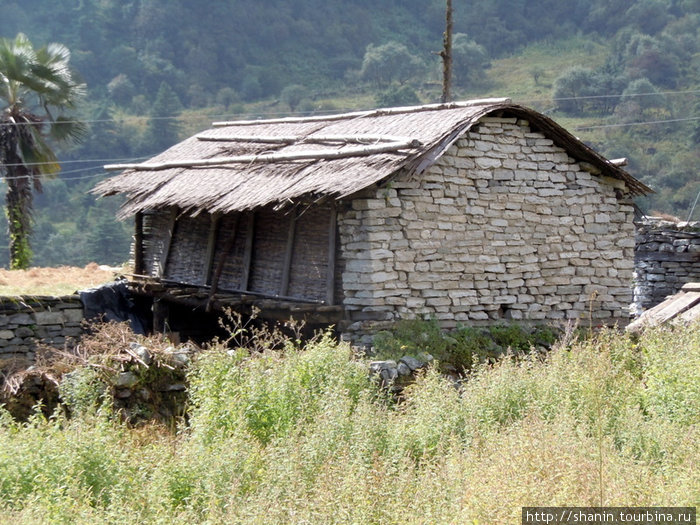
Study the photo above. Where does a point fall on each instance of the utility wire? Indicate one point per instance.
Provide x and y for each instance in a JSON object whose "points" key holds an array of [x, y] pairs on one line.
{"points": [[131, 159], [625, 124], [98, 161], [191, 118], [84, 177]]}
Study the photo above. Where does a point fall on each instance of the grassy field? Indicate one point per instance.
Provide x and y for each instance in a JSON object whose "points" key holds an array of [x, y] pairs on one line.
{"points": [[302, 435], [63, 280]]}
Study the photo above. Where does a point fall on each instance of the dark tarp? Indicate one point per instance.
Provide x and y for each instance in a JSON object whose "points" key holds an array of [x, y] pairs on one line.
{"points": [[112, 302]]}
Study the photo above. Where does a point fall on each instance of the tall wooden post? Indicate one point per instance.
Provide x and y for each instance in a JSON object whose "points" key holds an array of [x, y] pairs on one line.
{"points": [[330, 275], [288, 253], [248, 251], [446, 55], [222, 262], [138, 244], [167, 243], [211, 245]]}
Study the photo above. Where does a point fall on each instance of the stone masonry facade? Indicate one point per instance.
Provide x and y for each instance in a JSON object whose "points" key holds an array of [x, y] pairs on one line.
{"points": [[27, 320], [505, 225], [667, 256]]}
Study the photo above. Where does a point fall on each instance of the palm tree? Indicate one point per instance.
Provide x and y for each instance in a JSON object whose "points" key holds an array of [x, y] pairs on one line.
{"points": [[36, 86]]}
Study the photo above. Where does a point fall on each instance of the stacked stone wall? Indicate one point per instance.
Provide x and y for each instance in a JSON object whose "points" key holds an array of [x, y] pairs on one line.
{"points": [[28, 320], [666, 257], [505, 225]]}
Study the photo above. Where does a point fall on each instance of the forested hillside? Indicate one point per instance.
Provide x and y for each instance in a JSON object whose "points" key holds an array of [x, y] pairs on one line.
{"points": [[623, 75]]}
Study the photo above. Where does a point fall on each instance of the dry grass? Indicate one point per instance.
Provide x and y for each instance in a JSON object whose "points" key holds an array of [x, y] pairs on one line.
{"points": [[63, 280]]}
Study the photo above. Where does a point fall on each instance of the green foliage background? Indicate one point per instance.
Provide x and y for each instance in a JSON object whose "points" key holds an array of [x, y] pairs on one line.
{"points": [[158, 71]]}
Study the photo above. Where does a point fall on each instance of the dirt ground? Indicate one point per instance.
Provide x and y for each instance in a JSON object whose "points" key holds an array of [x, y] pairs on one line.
{"points": [[63, 280]]}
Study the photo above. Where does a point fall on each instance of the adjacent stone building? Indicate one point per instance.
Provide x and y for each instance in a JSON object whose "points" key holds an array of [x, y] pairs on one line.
{"points": [[465, 212], [667, 256]]}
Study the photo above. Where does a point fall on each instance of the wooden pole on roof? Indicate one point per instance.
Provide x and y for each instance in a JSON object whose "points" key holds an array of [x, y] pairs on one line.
{"points": [[446, 55], [328, 154]]}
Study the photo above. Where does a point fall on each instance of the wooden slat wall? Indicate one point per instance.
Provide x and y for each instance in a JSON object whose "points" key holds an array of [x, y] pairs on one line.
{"points": [[267, 235], [270, 241], [232, 273], [188, 250], [155, 228], [308, 275]]}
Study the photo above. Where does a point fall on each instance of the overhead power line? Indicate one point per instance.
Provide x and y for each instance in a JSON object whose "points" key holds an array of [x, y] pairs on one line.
{"points": [[132, 159], [626, 124], [82, 161], [191, 118]]}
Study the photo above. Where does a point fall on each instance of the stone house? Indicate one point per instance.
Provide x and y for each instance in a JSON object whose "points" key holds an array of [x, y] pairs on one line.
{"points": [[466, 212]]}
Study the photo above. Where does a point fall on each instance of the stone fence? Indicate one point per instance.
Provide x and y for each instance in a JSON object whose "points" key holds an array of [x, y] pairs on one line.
{"points": [[26, 320], [667, 255]]}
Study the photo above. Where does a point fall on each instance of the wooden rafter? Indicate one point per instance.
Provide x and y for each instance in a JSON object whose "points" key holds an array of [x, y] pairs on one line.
{"points": [[315, 139], [326, 154]]}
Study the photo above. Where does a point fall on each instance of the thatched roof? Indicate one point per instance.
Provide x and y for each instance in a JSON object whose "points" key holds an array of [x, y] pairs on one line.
{"points": [[235, 166]]}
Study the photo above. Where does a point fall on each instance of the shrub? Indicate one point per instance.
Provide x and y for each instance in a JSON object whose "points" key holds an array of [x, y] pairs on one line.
{"points": [[82, 391], [460, 348]]}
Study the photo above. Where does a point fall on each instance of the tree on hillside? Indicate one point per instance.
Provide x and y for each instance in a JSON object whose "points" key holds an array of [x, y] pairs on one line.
{"points": [[163, 129], [389, 62], [36, 86], [470, 60], [293, 94]]}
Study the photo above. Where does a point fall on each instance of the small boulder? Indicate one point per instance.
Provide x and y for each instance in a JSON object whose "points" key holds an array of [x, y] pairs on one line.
{"points": [[389, 374], [179, 357], [376, 367], [403, 369], [142, 353], [126, 380], [411, 362]]}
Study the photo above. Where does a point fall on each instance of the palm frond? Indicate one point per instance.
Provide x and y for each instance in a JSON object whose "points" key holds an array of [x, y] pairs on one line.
{"points": [[66, 129], [35, 153]]}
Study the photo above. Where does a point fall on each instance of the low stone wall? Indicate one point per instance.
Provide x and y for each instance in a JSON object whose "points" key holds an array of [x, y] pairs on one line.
{"points": [[667, 255], [27, 320]]}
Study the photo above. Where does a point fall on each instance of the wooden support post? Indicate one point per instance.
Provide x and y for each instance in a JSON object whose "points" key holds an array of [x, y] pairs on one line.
{"points": [[222, 262], [248, 251], [332, 239], [161, 313], [167, 243], [288, 252], [211, 245], [138, 243]]}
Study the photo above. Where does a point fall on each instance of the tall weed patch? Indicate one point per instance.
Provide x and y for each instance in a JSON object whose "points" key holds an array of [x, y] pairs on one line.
{"points": [[266, 395], [304, 435]]}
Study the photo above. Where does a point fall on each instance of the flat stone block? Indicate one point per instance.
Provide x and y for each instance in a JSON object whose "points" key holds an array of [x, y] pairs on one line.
{"points": [[73, 315], [21, 319], [49, 318]]}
